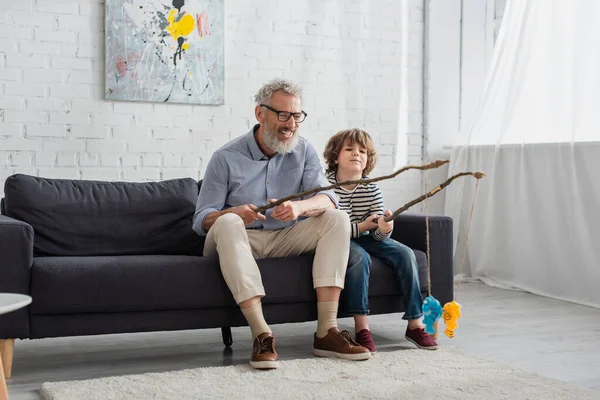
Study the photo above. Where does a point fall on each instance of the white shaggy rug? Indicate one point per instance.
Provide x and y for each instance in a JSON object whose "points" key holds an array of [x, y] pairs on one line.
{"points": [[448, 373]]}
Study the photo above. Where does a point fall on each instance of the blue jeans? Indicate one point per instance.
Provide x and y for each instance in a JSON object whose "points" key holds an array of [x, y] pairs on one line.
{"points": [[398, 256]]}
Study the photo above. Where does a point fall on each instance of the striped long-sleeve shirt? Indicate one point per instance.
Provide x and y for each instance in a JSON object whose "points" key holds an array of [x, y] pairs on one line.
{"points": [[361, 202]]}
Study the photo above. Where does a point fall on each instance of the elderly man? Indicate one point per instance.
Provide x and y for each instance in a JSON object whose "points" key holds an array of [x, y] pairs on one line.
{"points": [[271, 162]]}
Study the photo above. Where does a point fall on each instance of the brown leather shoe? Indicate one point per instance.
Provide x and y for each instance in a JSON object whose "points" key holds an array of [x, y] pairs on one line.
{"points": [[341, 345], [264, 354]]}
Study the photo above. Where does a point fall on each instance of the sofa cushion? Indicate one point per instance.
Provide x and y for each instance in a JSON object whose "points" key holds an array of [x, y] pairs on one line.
{"points": [[67, 285], [83, 218], [64, 285]]}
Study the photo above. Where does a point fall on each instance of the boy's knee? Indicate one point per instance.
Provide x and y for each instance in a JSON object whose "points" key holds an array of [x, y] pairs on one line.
{"points": [[405, 251]]}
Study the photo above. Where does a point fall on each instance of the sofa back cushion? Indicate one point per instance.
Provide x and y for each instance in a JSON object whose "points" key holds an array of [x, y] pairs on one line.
{"points": [[87, 218]]}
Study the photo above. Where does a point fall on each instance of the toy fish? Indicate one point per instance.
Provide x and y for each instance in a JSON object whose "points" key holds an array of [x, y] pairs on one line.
{"points": [[432, 311], [451, 314]]}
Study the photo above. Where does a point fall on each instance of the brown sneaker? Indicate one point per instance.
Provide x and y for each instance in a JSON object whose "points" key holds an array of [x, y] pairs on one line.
{"points": [[341, 345], [264, 354]]}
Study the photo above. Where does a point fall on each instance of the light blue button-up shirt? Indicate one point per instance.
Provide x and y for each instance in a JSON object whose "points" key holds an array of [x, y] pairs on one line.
{"points": [[239, 173]]}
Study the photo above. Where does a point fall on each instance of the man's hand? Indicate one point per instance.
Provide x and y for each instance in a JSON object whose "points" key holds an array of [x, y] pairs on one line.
{"points": [[247, 213], [286, 211], [385, 227], [368, 224]]}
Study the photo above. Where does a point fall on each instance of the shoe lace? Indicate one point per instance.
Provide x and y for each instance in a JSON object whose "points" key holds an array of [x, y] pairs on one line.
{"points": [[266, 345], [348, 336]]}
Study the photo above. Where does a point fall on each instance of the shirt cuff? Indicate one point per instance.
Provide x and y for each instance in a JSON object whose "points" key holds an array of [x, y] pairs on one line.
{"points": [[380, 236], [198, 225], [355, 230]]}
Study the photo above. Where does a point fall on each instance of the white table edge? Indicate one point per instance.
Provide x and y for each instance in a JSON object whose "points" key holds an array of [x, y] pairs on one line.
{"points": [[24, 301]]}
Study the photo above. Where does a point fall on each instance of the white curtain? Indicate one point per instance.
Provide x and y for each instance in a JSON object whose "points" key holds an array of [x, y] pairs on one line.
{"points": [[536, 223]]}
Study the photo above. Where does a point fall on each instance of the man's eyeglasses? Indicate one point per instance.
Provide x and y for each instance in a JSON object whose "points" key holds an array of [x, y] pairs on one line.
{"points": [[284, 116]]}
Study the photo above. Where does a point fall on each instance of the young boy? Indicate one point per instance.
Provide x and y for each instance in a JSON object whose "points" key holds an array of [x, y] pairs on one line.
{"points": [[351, 155]]}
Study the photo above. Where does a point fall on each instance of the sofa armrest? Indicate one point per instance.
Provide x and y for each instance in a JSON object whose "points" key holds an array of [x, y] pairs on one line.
{"points": [[410, 229], [16, 258]]}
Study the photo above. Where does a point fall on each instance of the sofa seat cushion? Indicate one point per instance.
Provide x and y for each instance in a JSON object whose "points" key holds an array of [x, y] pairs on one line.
{"points": [[65, 285], [69, 285], [90, 218]]}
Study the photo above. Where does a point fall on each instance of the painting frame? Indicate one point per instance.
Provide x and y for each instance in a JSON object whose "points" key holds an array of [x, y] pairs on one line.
{"points": [[165, 51]]}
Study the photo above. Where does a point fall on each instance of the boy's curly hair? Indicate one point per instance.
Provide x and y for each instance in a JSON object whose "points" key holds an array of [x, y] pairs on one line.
{"points": [[336, 143]]}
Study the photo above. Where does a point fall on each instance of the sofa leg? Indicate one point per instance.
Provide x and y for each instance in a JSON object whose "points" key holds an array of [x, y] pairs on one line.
{"points": [[3, 388], [227, 337], [6, 353]]}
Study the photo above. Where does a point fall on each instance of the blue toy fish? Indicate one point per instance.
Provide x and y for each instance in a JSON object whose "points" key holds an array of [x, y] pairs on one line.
{"points": [[432, 311]]}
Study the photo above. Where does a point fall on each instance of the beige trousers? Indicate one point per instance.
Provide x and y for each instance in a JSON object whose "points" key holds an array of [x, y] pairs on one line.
{"points": [[238, 248]]}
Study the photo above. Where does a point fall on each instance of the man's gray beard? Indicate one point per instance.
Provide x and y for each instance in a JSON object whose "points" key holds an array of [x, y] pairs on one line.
{"points": [[274, 144]]}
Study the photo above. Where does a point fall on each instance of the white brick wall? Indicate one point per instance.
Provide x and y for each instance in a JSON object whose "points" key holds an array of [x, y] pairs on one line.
{"points": [[359, 61]]}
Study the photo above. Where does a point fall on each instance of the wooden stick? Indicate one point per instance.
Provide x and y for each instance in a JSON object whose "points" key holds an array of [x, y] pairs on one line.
{"points": [[435, 164], [477, 175]]}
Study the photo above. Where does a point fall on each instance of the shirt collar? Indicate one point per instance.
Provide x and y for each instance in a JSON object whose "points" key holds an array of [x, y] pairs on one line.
{"points": [[255, 151]]}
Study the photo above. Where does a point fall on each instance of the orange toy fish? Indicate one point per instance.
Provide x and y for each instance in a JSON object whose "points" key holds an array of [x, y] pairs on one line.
{"points": [[451, 314]]}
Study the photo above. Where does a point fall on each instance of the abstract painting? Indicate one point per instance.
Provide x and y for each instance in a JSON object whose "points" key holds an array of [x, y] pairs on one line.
{"points": [[165, 51]]}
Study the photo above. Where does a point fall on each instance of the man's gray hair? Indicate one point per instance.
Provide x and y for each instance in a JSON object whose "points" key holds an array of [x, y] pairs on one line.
{"points": [[266, 91]]}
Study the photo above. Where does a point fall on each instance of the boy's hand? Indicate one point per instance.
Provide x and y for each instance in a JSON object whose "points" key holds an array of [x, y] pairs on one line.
{"points": [[286, 211], [368, 224], [385, 227]]}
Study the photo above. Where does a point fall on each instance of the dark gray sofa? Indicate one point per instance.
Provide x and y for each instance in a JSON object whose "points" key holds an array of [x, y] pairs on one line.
{"points": [[117, 257]]}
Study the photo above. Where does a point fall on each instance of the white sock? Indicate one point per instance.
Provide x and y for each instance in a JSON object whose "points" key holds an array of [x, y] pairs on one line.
{"points": [[327, 311], [256, 320]]}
